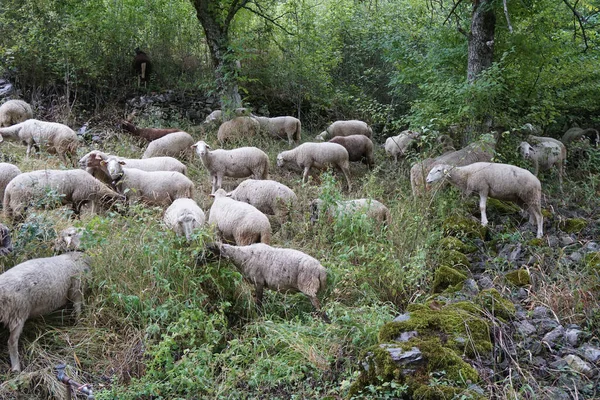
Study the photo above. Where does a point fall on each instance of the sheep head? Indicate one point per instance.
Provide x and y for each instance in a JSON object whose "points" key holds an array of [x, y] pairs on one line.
{"points": [[525, 149], [188, 224], [201, 148], [438, 173]]}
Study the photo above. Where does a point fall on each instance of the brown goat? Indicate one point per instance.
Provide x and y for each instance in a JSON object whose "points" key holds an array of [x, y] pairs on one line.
{"points": [[149, 134], [142, 66]]}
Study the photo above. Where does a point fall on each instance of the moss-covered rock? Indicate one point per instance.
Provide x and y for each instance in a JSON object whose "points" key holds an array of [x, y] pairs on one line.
{"points": [[453, 243], [463, 227], [447, 278], [592, 262], [547, 214], [500, 207], [493, 301], [519, 277], [572, 225], [537, 242], [454, 259]]}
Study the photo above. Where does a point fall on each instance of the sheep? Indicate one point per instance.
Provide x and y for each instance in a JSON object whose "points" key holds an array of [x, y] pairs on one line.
{"points": [[345, 128], [546, 154], [57, 138], [359, 147], [371, 207], [238, 128], [282, 127], [75, 187], [575, 133], [318, 155], [176, 144], [237, 163], [183, 217], [479, 151], [5, 241], [69, 239], [397, 145], [269, 197], [154, 188], [215, 117], [498, 181], [38, 287], [142, 66], [280, 269], [7, 173], [237, 221], [13, 112], [149, 134]]}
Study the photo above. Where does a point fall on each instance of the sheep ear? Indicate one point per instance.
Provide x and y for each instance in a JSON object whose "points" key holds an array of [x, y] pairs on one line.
{"points": [[446, 171], [228, 194], [122, 162], [211, 195], [208, 147], [103, 163]]}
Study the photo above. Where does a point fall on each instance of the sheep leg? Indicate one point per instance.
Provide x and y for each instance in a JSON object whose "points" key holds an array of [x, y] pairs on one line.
{"points": [[258, 294], [214, 183], [482, 208], [219, 181], [346, 172], [76, 295], [317, 305], [537, 216], [13, 344], [305, 175]]}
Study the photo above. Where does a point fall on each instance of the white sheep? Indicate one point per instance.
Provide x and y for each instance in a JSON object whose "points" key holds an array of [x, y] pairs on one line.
{"points": [[176, 144], [498, 181], [56, 138], [397, 145], [576, 133], [14, 111], [91, 163], [69, 239], [371, 207], [269, 197], [289, 128], [237, 163], [75, 187], [238, 128], [155, 187], [215, 117], [38, 287], [237, 221], [280, 269], [7, 173], [345, 128], [317, 155], [546, 153], [183, 217], [359, 148]]}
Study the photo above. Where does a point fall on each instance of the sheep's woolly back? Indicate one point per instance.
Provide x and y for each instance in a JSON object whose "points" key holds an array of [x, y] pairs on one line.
{"points": [[396, 145], [176, 144], [214, 117], [237, 221], [238, 128], [183, 217], [289, 128], [545, 154], [346, 128], [269, 197], [14, 111], [319, 155], [7, 173], [359, 147], [235, 163]]}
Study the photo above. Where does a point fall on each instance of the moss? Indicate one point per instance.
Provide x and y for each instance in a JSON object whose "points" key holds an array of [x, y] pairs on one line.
{"points": [[519, 277], [537, 242], [446, 277], [572, 225], [444, 392], [453, 243], [455, 259], [462, 329], [463, 227], [547, 214], [493, 301], [592, 262], [500, 207]]}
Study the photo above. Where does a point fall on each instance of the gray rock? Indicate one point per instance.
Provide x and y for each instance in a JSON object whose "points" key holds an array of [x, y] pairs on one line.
{"points": [[406, 336], [522, 294], [510, 252], [573, 336], [525, 328], [521, 315], [470, 287], [403, 357], [591, 246], [553, 241], [580, 365], [566, 240], [555, 336], [541, 312], [576, 256], [590, 353], [485, 282], [556, 393], [402, 317], [545, 325]]}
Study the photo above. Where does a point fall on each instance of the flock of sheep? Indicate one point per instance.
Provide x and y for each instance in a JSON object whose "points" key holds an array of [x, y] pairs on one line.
{"points": [[240, 217]]}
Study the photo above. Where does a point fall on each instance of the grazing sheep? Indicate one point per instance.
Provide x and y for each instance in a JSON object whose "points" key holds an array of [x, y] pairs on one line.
{"points": [[479, 151], [38, 287], [345, 128], [75, 187], [56, 138], [69, 239], [237, 221], [155, 188], [282, 127], [372, 208], [7, 173], [5, 241], [317, 155], [183, 217], [269, 197], [576, 133], [142, 66], [149, 134], [14, 111], [498, 181], [176, 144], [238, 128], [214, 118], [397, 145], [546, 154], [279, 269], [359, 147], [237, 163]]}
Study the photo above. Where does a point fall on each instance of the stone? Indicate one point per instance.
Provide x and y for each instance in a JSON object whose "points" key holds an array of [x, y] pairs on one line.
{"points": [[590, 353], [591, 246], [555, 336], [403, 357], [573, 336], [470, 287], [525, 328], [553, 241], [402, 317], [545, 325], [406, 336], [580, 365], [485, 282], [540, 312], [566, 240], [576, 256]]}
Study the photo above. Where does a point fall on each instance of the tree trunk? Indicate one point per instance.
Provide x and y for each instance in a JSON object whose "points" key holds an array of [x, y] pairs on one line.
{"points": [[481, 38]]}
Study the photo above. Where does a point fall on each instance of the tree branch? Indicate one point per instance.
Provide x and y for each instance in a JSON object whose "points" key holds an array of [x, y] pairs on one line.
{"points": [[235, 6], [271, 20], [510, 28], [580, 20], [452, 11]]}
